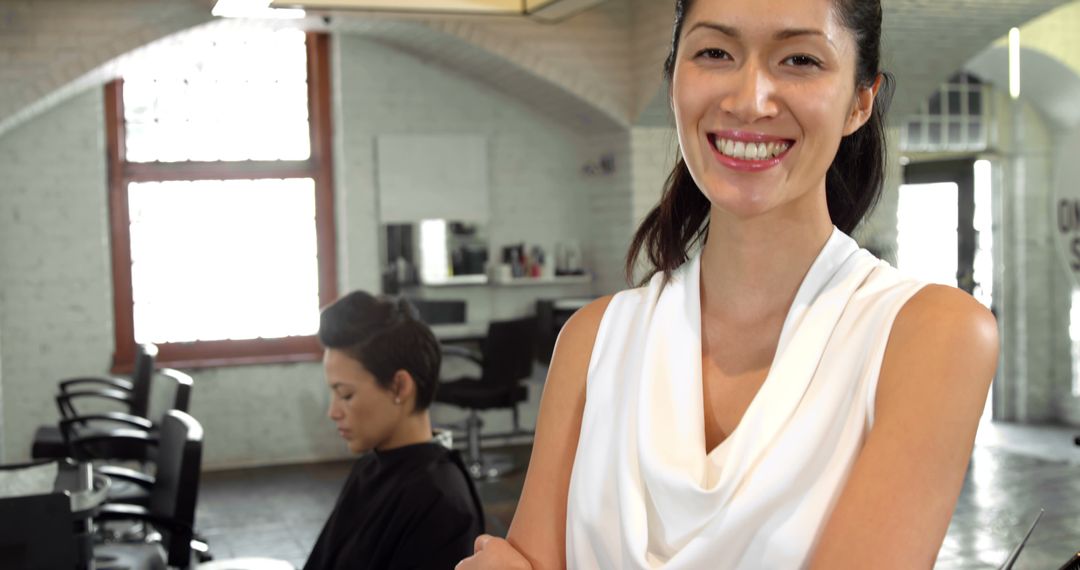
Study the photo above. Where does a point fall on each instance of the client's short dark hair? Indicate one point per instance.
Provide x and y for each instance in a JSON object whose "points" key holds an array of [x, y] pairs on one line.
{"points": [[384, 335]]}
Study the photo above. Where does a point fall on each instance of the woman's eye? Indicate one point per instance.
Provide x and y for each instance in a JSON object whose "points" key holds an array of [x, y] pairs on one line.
{"points": [[803, 61], [713, 53]]}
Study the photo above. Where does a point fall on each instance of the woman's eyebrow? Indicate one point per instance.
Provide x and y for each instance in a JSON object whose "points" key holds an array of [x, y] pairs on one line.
{"points": [[780, 35], [797, 32], [726, 30]]}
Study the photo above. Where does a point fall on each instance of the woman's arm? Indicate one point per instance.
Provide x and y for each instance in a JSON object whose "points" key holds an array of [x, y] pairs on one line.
{"points": [[539, 527], [537, 536], [895, 508]]}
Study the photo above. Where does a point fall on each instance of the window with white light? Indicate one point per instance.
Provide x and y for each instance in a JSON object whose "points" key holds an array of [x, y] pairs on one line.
{"points": [[241, 272], [956, 118], [222, 212]]}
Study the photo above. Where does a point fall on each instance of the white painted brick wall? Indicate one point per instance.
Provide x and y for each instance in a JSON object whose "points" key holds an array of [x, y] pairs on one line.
{"points": [[53, 49], [653, 152], [55, 301], [1035, 372], [651, 40], [1067, 146], [610, 211]]}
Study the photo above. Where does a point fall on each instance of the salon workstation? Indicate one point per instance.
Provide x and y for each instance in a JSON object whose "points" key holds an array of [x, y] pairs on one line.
{"points": [[350, 284]]}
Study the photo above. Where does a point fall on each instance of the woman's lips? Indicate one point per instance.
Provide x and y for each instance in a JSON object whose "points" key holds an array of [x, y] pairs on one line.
{"points": [[745, 154]]}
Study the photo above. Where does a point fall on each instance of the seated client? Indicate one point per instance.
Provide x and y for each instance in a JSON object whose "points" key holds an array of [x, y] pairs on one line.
{"points": [[408, 501]]}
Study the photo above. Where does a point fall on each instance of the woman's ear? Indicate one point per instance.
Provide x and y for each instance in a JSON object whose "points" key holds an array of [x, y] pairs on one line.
{"points": [[403, 386], [862, 107]]}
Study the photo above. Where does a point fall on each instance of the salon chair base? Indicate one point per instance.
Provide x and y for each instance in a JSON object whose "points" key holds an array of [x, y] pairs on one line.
{"points": [[491, 466], [129, 555], [247, 564]]}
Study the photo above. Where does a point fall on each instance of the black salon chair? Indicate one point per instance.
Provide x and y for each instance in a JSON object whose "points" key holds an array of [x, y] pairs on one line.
{"points": [[36, 531], [170, 511], [132, 395], [506, 360], [129, 485], [102, 424]]}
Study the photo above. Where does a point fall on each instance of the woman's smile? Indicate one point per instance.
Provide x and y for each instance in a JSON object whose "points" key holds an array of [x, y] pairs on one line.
{"points": [[747, 151]]}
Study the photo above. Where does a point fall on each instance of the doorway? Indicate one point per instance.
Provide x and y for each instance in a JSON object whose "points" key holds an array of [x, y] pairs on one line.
{"points": [[936, 236], [945, 228]]}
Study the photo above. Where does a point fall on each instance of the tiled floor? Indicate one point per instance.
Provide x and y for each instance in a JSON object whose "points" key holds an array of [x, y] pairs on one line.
{"points": [[1015, 471]]}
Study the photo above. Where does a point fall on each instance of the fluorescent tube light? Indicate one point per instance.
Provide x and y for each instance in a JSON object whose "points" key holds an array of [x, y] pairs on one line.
{"points": [[1014, 63], [544, 10], [254, 9]]}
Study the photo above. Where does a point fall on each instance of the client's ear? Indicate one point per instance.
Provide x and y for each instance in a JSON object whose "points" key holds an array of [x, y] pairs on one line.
{"points": [[403, 386]]}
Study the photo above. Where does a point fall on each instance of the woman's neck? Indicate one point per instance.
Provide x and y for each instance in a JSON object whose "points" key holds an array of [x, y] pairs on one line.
{"points": [[752, 269], [415, 428]]}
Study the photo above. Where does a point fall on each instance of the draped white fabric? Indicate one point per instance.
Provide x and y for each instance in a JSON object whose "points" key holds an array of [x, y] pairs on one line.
{"points": [[645, 494]]}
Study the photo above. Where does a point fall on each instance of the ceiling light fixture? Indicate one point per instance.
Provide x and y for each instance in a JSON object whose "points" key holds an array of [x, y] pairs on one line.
{"points": [[1014, 63], [254, 9], [542, 10]]}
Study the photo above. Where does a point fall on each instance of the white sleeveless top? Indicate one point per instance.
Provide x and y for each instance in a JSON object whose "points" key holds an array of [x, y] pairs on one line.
{"points": [[645, 494]]}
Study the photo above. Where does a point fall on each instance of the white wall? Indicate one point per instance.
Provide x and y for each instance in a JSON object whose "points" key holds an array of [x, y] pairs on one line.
{"points": [[1066, 149], [55, 300], [1032, 298]]}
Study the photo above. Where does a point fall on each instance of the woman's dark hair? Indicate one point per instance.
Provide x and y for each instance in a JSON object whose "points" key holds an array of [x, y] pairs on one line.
{"points": [[384, 335], [852, 185]]}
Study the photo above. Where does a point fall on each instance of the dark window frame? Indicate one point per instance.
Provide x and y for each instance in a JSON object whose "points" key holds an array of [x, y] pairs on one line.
{"points": [[318, 167]]}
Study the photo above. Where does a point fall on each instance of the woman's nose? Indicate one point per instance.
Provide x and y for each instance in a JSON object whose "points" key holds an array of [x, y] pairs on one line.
{"points": [[332, 411], [752, 94]]}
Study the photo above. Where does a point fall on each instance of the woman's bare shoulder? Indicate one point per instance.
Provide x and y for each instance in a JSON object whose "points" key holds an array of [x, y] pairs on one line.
{"points": [[573, 349], [940, 335], [939, 314], [585, 322]]}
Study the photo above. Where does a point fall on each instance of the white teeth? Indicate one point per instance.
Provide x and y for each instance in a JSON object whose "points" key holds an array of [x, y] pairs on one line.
{"points": [[750, 151]]}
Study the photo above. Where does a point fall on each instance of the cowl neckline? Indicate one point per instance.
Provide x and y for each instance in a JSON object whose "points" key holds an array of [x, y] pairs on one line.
{"points": [[836, 250], [671, 431]]}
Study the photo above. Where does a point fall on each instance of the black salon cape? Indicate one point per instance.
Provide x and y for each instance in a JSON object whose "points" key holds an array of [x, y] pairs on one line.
{"points": [[410, 507]]}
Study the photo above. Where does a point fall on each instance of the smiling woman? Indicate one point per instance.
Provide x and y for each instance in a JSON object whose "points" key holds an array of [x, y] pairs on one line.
{"points": [[772, 396]]}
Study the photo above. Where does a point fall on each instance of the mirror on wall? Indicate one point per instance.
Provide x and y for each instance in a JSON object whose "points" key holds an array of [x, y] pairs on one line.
{"points": [[434, 252]]}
